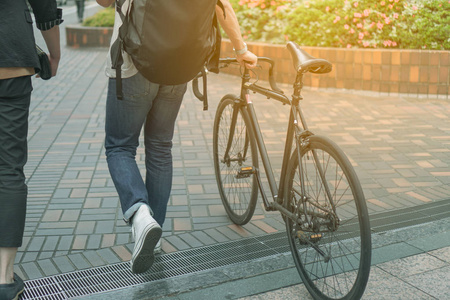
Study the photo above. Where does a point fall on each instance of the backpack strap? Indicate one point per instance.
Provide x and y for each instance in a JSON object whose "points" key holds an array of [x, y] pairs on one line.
{"points": [[117, 48]]}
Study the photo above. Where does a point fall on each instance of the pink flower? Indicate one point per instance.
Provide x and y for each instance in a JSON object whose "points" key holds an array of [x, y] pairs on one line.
{"points": [[382, 3], [394, 44], [414, 7], [391, 6], [379, 25], [359, 25], [387, 43], [395, 15], [366, 12], [349, 46], [355, 4], [346, 26], [337, 19], [366, 44], [327, 8], [357, 15], [387, 21], [361, 35], [352, 30]]}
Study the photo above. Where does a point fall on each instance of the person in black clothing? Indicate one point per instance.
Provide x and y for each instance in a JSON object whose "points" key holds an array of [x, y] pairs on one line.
{"points": [[80, 10], [18, 62]]}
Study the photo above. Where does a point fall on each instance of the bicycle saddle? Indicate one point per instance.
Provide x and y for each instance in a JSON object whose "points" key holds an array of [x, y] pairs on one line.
{"points": [[307, 63]]}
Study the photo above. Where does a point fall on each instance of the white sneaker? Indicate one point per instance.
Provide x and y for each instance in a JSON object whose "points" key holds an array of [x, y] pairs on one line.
{"points": [[146, 233]]}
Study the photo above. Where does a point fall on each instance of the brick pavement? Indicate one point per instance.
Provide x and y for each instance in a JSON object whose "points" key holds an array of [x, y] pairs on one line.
{"points": [[398, 145]]}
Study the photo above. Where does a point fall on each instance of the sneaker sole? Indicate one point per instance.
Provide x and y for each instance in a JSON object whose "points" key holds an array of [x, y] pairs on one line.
{"points": [[144, 257]]}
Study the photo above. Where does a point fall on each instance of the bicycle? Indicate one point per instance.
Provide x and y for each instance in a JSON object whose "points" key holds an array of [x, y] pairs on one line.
{"points": [[319, 194]]}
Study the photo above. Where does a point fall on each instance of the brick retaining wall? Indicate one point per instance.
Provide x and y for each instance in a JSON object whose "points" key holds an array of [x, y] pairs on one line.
{"points": [[379, 70], [79, 36], [414, 72]]}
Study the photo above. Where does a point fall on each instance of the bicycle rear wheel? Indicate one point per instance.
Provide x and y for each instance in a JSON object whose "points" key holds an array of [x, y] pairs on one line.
{"points": [[330, 242], [234, 160]]}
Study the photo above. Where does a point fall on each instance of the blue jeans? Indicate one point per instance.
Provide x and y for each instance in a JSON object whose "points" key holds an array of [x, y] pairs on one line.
{"points": [[154, 107]]}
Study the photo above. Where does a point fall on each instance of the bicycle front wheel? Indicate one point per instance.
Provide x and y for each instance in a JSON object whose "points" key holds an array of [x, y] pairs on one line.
{"points": [[330, 240], [235, 158]]}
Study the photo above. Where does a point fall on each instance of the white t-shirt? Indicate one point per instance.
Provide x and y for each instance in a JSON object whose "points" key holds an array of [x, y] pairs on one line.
{"points": [[128, 68]]}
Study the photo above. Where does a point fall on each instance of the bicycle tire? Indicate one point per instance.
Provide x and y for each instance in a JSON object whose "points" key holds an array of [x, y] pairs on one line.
{"points": [[238, 192], [342, 233]]}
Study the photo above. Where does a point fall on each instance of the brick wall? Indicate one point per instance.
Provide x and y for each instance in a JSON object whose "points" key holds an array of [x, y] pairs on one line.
{"points": [[388, 71], [78, 36]]}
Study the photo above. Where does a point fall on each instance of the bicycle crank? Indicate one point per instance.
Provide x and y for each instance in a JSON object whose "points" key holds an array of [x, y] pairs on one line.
{"points": [[311, 240]]}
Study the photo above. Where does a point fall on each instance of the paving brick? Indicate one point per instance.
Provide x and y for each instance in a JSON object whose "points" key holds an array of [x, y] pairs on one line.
{"points": [[47, 267], [108, 240], [31, 270], [94, 241], [94, 259], [65, 243], [79, 242], [182, 224], [105, 227], [50, 243], [191, 240], [36, 244], [85, 227], [122, 252], [79, 261], [176, 242], [108, 255]]}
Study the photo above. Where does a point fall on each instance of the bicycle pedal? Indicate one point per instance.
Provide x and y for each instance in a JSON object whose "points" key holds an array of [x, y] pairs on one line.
{"points": [[245, 172], [305, 237]]}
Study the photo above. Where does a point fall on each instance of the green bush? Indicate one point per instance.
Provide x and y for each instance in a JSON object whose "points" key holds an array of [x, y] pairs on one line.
{"points": [[103, 18], [262, 20], [413, 24]]}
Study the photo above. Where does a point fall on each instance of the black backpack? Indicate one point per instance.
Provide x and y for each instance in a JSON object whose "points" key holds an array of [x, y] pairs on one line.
{"points": [[169, 41]]}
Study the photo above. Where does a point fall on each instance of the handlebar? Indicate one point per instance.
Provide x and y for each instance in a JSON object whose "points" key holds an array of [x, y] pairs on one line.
{"points": [[272, 82], [226, 61]]}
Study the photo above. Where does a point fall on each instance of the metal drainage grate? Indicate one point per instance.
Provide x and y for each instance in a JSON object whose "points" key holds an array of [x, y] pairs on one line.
{"points": [[117, 276]]}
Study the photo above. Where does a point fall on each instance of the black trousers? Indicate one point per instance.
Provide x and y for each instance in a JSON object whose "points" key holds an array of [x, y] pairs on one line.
{"points": [[80, 9], [14, 108]]}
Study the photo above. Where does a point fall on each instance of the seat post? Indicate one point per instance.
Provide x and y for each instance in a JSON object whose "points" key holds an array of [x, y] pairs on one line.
{"points": [[298, 85]]}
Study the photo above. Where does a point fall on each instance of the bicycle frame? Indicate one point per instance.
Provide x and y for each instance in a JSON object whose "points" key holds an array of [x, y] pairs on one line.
{"points": [[293, 131], [245, 101]]}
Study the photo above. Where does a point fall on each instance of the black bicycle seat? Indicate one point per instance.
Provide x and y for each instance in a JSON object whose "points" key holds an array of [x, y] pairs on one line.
{"points": [[307, 63]]}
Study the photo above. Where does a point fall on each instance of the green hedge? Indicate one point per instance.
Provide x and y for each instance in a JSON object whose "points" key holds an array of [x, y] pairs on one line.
{"points": [[103, 18], [412, 24]]}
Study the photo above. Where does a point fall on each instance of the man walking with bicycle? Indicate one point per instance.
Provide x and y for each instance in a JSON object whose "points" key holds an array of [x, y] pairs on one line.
{"points": [[154, 107]]}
